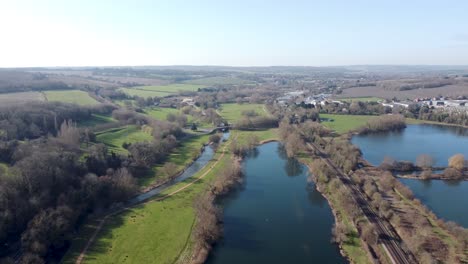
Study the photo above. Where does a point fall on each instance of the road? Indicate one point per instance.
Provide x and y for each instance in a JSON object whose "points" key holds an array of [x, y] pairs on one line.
{"points": [[390, 240]]}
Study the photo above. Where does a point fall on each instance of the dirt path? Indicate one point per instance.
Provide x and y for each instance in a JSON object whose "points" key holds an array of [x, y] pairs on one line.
{"points": [[80, 258]]}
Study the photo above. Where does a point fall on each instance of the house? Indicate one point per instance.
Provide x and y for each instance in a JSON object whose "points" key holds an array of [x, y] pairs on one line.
{"points": [[188, 101]]}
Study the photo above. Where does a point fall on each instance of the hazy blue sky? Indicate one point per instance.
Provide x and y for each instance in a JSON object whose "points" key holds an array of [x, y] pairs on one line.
{"points": [[235, 32]]}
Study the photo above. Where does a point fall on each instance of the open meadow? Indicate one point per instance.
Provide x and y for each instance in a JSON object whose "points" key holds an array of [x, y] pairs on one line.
{"points": [[115, 137], [160, 90], [96, 119], [160, 113], [344, 123], [71, 96], [233, 112]]}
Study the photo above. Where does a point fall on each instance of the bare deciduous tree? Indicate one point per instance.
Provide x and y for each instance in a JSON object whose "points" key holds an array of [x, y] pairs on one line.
{"points": [[457, 161]]}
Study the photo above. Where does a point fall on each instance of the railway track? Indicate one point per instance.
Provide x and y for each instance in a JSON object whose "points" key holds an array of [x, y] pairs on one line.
{"points": [[388, 237]]}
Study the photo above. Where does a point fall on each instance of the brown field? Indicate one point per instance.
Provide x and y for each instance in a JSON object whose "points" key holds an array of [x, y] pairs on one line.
{"points": [[119, 80], [450, 90], [22, 97]]}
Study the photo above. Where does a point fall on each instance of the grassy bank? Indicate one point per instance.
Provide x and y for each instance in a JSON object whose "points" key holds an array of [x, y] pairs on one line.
{"points": [[182, 156], [353, 247]]}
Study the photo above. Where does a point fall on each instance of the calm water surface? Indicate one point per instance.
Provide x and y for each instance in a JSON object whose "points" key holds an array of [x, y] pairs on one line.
{"points": [[448, 199], [276, 217], [441, 142]]}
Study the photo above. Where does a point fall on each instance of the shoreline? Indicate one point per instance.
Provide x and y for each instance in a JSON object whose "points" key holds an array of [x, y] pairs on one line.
{"points": [[334, 213], [414, 121], [437, 178]]}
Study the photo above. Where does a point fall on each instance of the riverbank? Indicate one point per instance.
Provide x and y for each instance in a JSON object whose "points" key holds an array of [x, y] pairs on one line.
{"points": [[414, 121], [432, 176], [353, 248], [183, 156]]}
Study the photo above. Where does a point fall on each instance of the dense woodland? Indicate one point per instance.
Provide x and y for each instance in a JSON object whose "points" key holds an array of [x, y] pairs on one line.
{"points": [[58, 175]]}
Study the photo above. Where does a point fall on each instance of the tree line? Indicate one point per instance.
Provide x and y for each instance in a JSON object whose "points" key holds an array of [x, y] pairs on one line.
{"points": [[58, 175]]}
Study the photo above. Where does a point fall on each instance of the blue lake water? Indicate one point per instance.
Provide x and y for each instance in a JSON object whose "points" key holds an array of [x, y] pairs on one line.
{"points": [[440, 142], [448, 199], [277, 216]]}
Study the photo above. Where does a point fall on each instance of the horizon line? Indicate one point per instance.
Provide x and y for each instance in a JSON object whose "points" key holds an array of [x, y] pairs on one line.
{"points": [[239, 66]]}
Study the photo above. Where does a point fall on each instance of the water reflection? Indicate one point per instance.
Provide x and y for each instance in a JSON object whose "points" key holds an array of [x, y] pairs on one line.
{"points": [[440, 142], [252, 154], [293, 167], [315, 197], [453, 182], [277, 217], [281, 151]]}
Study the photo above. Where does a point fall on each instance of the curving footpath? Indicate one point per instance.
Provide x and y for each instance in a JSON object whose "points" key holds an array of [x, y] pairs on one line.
{"points": [[80, 258]]}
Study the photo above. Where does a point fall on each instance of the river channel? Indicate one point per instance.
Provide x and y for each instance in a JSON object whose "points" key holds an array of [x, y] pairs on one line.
{"points": [[277, 216]]}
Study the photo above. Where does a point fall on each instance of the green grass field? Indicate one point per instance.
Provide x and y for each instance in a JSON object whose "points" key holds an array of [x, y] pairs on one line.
{"points": [[154, 232], [143, 93], [160, 113], [345, 123], [171, 88], [262, 135], [233, 112], [96, 119], [71, 96], [361, 99], [115, 137], [3, 168], [160, 90]]}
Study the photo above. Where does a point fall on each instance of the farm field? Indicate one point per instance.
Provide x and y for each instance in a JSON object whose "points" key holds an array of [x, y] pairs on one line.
{"points": [[372, 91], [218, 81], [115, 137], [360, 99], [96, 119], [345, 123], [143, 93], [70, 96], [160, 90], [154, 232], [20, 97], [233, 112], [161, 113]]}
